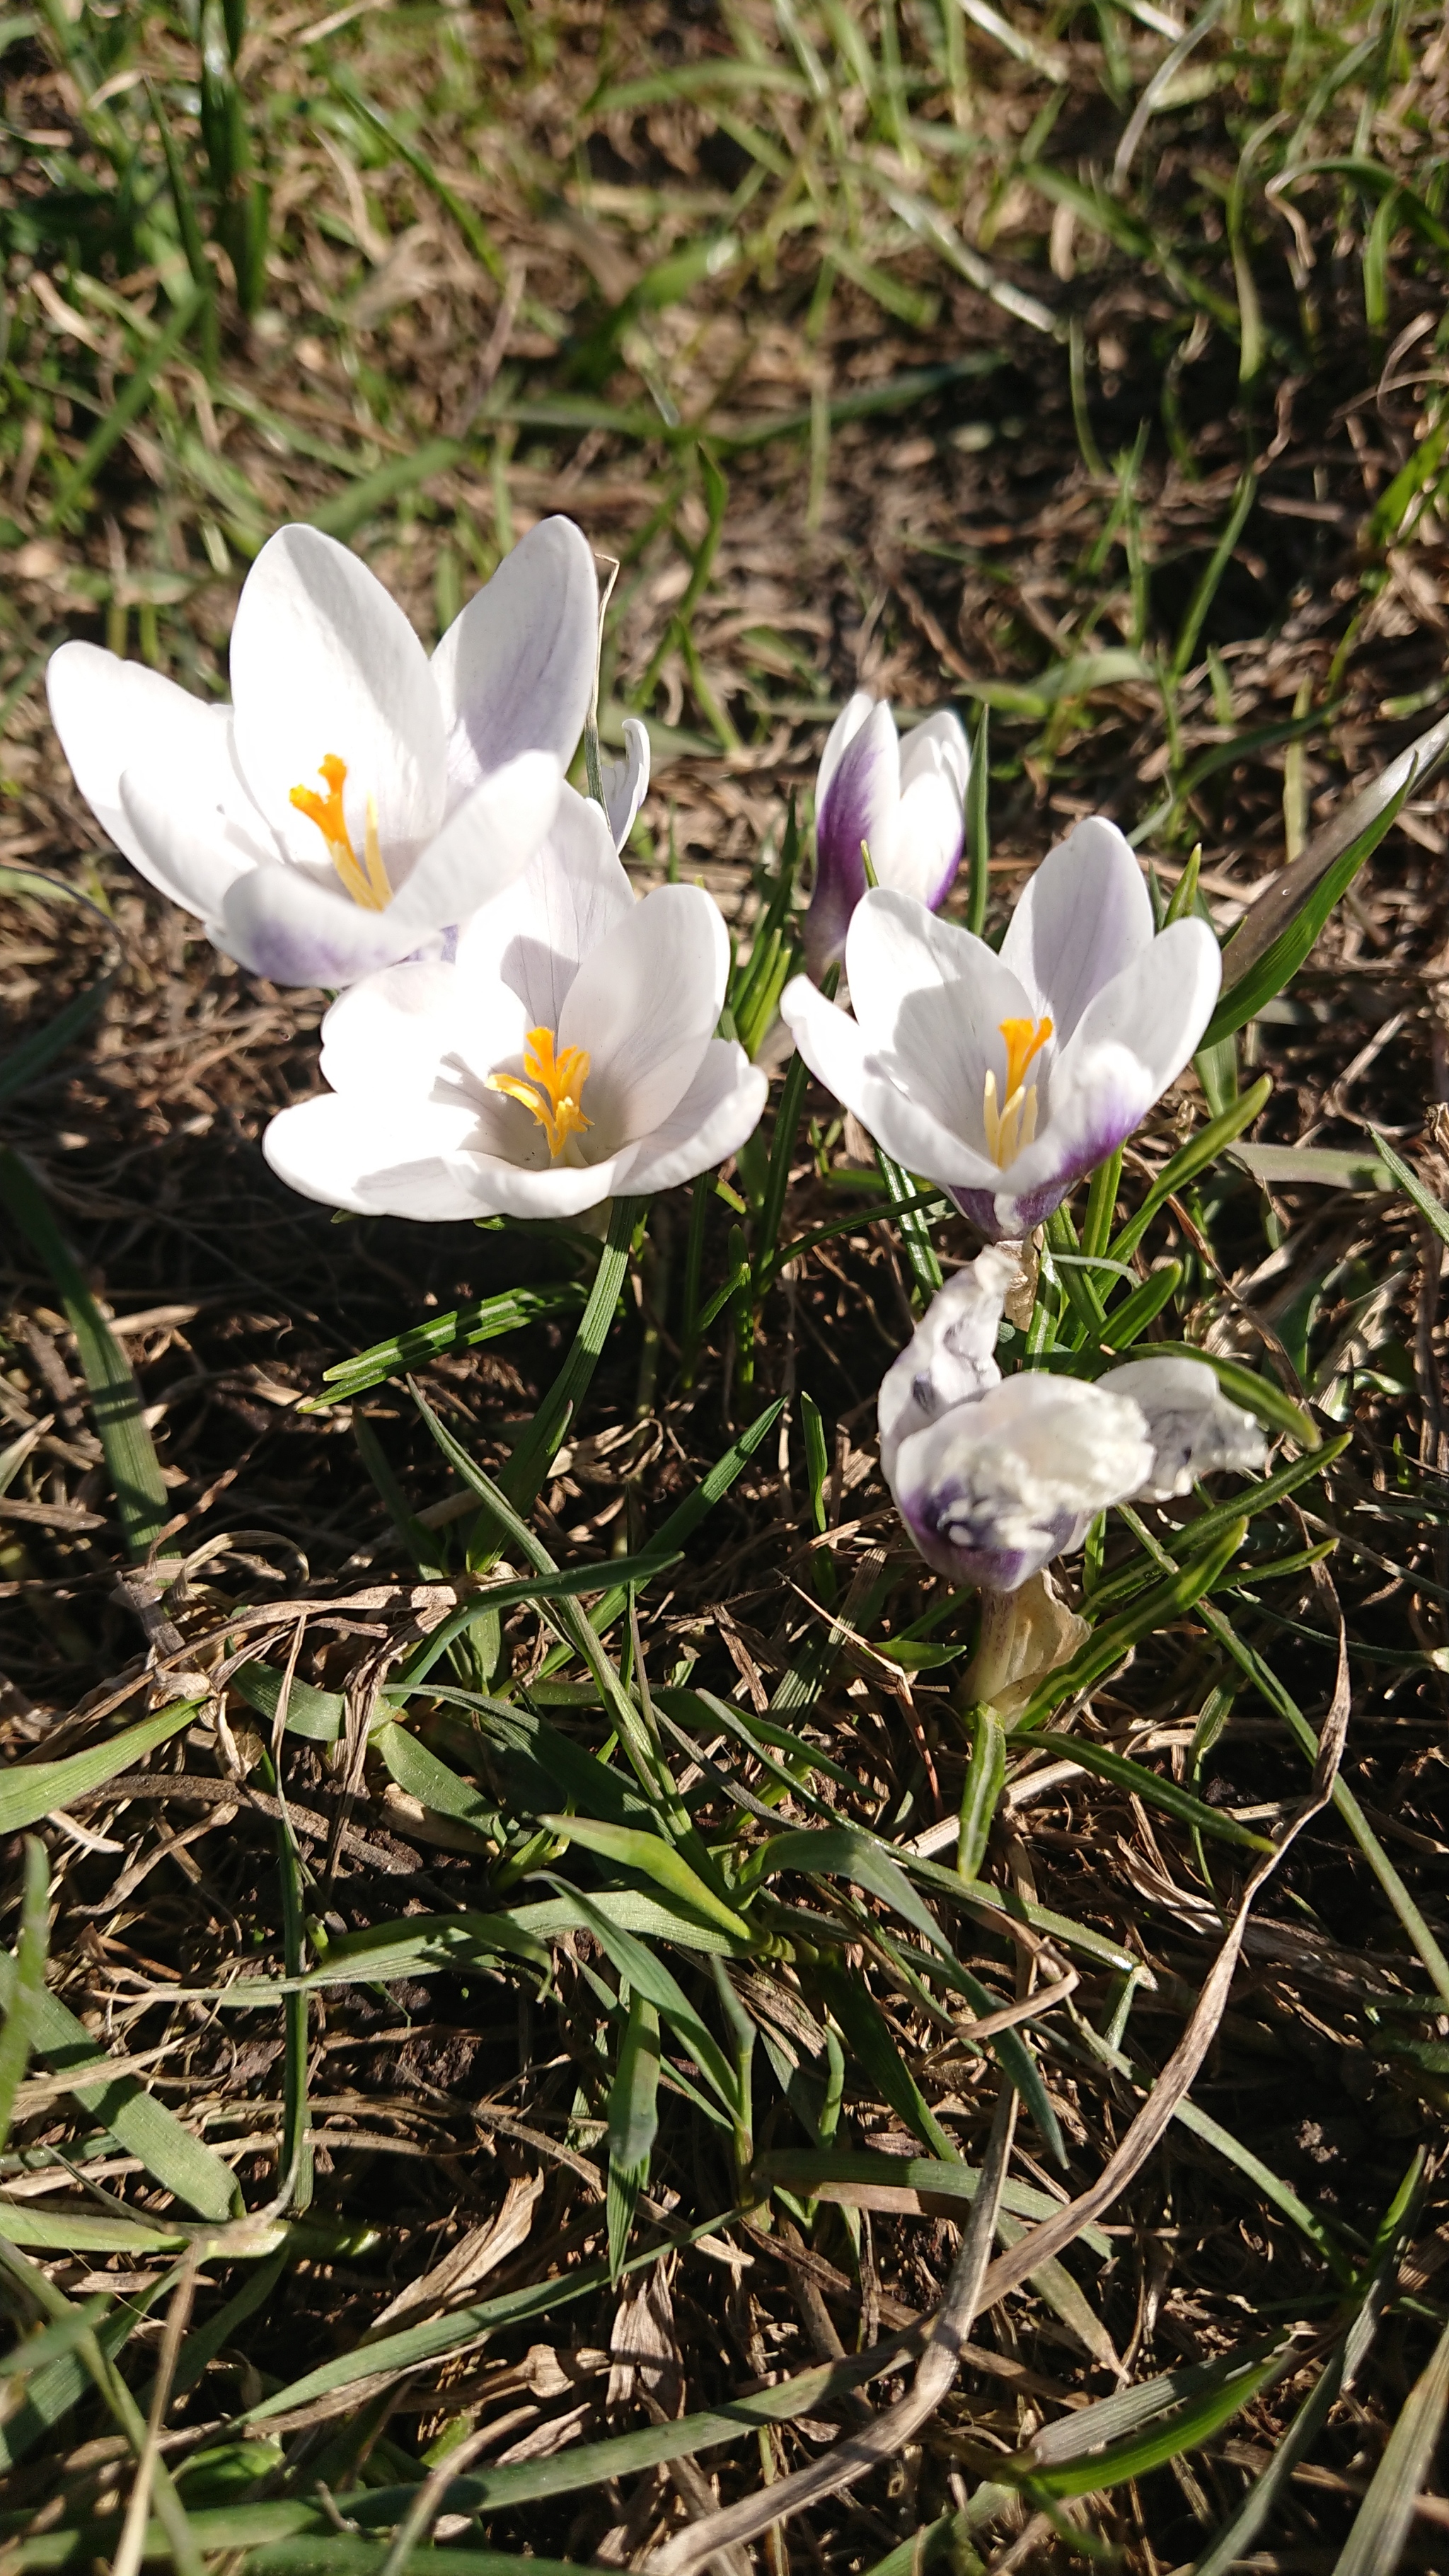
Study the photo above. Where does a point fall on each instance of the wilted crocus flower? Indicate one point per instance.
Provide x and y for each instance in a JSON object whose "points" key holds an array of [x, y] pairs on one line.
{"points": [[903, 803], [995, 1476], [355, 798], [566, 1056], [1005, 1078]]}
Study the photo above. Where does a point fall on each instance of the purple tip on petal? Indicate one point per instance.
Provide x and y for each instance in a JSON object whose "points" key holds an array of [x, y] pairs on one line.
{"points": [[953, 1527]]}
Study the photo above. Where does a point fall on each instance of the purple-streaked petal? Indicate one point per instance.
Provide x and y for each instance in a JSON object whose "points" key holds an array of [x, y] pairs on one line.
{"points": [[844, 730], [1084, 915], [279, 922], [191, 828], [324, 664], [1192, 1426], [998, 1486], [515, 672], [856, 812], [951, 1357]]}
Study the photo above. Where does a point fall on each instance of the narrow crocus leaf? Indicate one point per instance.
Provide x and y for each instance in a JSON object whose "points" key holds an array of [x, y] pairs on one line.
{"points": [[27, 1986], [30, 1791], [483, 1321], [1255, 975], [131, 1460], [627, 1848], [1277, 908], [1430, 1209], [648, 1976], [1151, 1788], [1108, 1644]]}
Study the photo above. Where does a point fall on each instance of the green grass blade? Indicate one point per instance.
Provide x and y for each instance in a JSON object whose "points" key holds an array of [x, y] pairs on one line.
{"points": [[140, 2124], [1381, 2526], [30, 1791], [1188, 1161], [27, 1984], [135, 1472], [484, 1321]]}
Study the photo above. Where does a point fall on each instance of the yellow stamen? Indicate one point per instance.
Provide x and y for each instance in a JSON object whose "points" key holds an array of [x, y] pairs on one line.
{"points": [[561, 1080], [1010, 1128], [367, 884]]}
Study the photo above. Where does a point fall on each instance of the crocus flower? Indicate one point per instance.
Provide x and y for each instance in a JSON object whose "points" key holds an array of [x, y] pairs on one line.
{"points": [[355, 799], [903, 803], [567, 1055], [1005, 1078], [995, 1476]]}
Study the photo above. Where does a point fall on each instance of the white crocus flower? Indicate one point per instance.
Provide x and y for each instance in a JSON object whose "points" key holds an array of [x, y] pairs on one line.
{"points": [[568, 1054], [995, 1476], [355, 799], [1004, 1078], [903, 803]]}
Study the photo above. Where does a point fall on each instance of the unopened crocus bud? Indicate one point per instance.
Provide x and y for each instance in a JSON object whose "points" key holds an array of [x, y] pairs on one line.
{"points": [[902, 804]]}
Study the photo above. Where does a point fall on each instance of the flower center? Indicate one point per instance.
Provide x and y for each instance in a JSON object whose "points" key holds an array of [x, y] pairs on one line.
{"points": [[552, 1087], [366, 883], [1012, 1126]]}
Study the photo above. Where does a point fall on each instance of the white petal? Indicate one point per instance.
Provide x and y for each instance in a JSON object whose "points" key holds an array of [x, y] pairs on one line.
{"points": [[722, 1106], [626, 782], [516, 671], [323, 662], [193, 828], [996, 1488], [1132, 1042], [113, 715], [482, 849], [845, 728], [1157, 1007], [349, 1153], [931, 999], [1083, 916], [951, 1357], [388, 1036], [296, 929], [937, 745], [559, 1190], [528, 945], [645, 1004], [1191, 1424], [929, 838], [834, 1047]]}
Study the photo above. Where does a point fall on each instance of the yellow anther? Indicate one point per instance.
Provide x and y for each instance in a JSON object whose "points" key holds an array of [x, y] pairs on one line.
{"points": [[1024, 1039], [367, 884], [1011, 1127], [559, 1078]]}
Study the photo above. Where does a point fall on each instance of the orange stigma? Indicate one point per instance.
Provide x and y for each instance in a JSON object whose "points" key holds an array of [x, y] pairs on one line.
{"points": [[559, 1078], [367, 884], [1009, 1128]]}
